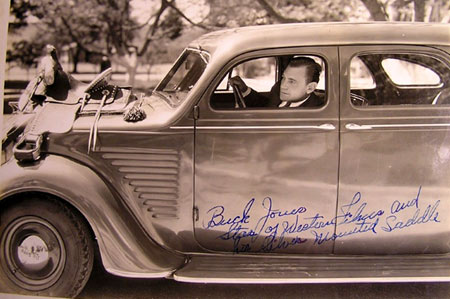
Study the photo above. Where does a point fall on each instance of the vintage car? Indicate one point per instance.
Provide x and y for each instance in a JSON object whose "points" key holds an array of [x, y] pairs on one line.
{"points": [[189, 182]]}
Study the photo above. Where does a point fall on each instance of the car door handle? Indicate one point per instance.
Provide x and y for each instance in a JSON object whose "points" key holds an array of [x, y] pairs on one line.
{"points": [[328, 127], [352, 126]]}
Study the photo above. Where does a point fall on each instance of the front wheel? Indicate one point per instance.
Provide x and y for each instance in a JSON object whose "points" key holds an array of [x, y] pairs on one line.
{"points": [[46, 248]]}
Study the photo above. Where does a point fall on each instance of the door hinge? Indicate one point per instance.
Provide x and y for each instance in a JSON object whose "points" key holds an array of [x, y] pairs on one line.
{"points": [[196, 112], [195, 214]]}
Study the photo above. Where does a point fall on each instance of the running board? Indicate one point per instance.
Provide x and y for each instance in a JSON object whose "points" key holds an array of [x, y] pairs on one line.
{"points": [[312, 269]]}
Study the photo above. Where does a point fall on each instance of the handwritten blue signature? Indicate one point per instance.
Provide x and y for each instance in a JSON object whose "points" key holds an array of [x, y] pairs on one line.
{"points": [[279, 229], [238, 231]]}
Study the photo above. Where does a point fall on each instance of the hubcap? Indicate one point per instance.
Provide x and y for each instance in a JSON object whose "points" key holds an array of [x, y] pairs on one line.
{"points": [[34, 253]]}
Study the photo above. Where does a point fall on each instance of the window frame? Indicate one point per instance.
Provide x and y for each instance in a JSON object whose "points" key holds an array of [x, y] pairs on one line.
{"points": [[311, 51], [396, 50], [406, 86]]}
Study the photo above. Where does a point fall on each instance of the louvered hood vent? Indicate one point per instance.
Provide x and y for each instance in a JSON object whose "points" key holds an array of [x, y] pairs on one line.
{"points": [[152, 175]]}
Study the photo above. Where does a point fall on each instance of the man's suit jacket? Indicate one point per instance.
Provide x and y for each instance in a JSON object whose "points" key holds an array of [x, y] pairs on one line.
{"points": [[255, 99]]}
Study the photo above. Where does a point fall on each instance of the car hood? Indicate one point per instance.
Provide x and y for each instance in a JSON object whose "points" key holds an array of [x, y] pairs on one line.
{"points": [[157, 113]]}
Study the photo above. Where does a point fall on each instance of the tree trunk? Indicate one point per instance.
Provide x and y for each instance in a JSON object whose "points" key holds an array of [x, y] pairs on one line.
{"points": [[376, 10], [131, 75], [419, 10], [130, 63], [435, 15], [274, 13], [76, 59]]}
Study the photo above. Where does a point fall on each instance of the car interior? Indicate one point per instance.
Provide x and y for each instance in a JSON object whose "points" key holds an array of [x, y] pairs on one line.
{"points": [[260, 74], [376, 79], [399, 79]]}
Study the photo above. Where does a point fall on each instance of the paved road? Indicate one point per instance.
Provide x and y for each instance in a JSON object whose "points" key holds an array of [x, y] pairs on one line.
{"points": [[104, 285]]}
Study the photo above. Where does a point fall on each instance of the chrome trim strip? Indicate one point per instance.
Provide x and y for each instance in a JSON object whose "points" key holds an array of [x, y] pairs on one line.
{"points": [[129, 274], [130, 132], [352, 126], [326, 127], [309, 280], [182, 128]]}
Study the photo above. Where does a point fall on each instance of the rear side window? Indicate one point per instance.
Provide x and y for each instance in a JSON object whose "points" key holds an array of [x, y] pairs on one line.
{"points": [[405, 73], [399, 79]]}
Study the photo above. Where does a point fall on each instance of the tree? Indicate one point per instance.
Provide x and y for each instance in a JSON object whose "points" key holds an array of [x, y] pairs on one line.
{"points": [[234, 13], [25, 54], [93, 26], [20, 9], [408, 10], [105, 27]]}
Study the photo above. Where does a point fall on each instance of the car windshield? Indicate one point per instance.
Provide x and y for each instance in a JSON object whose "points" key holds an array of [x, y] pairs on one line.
{"points": [[183, 76]]}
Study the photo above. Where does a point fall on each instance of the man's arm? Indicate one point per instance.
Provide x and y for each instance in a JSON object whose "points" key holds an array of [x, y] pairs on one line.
{"points": [[252, 98]]}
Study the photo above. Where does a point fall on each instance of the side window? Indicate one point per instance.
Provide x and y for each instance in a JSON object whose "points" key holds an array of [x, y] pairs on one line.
{"points": [[398, 79], [361, 76], [290, 81], [405, 73], [259, 74]]}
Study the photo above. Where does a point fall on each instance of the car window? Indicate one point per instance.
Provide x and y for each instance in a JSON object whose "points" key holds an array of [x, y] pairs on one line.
{"points": [[398, 79], [183, 76], [264, 77], [361, 76], [259, 74], [403, 72]]}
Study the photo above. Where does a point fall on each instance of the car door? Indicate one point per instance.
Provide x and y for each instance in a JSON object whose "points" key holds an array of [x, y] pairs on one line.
{"points": [[394, 191], [266, 178]]}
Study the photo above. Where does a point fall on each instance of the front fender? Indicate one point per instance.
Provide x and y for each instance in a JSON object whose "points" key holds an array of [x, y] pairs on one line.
{"points": [[124, 247]]}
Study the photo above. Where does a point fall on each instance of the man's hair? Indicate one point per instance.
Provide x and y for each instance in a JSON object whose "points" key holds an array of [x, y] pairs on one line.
{"points": [[313, 69]]}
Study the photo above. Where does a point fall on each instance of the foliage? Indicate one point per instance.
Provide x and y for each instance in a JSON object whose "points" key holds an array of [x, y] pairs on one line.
{"points": [[235, 13], [408, 10], [101, 27], [25, 54], [172, 25], [93, 25], [20, 9], [108, 27]]}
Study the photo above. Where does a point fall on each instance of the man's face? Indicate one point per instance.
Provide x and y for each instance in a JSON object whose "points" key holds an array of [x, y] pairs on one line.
{"points": [[293, 84]]}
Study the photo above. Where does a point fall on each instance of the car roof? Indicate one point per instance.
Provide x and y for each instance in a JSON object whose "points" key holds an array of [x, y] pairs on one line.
{"points": [[240, 40]]}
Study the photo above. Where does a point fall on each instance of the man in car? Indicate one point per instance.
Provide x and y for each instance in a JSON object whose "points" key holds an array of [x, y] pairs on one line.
{"points": [[296, 88]]}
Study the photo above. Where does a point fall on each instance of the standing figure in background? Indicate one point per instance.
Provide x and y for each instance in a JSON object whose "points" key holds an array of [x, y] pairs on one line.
{"points": [[104, 64]]}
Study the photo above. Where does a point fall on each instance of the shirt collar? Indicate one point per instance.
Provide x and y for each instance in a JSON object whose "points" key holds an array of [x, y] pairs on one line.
{"points": [[293, 104]]}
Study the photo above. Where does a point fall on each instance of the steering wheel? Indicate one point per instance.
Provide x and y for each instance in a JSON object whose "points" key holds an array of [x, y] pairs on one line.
{"points": [[238, 97], [100, 77]]}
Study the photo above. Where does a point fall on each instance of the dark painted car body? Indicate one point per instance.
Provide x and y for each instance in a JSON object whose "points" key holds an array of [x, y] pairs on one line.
{"points": [[200, 188]]}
